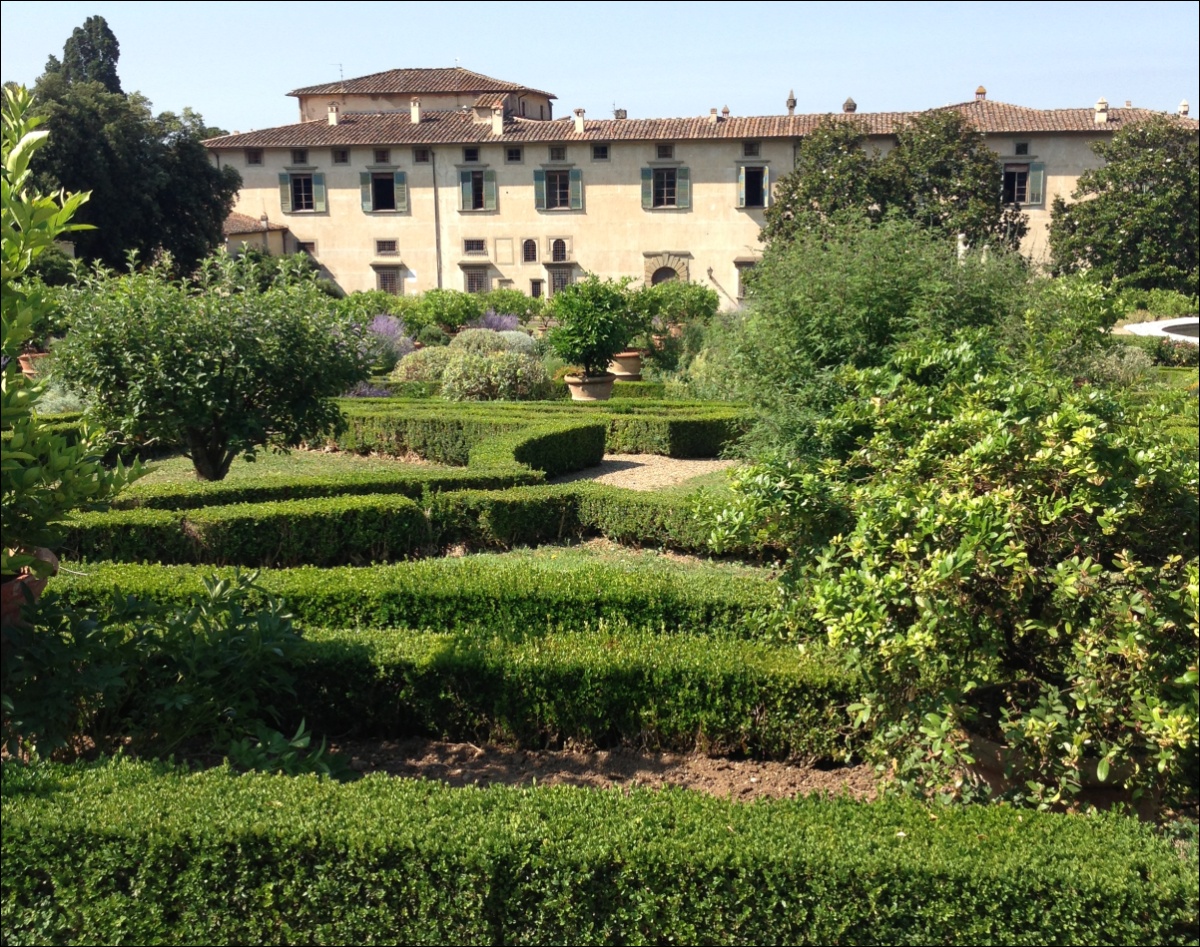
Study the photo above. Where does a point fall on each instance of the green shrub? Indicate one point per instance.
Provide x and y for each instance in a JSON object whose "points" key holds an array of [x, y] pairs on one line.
{"points": [[496, 375], [449, 308], [143, 853], [594, 323], [221, 371], [432, 336], [425, 365], [513, 302], [1174, 353], [510, 596]]}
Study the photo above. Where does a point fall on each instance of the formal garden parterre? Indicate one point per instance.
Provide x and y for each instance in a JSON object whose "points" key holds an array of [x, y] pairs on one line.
{"points": [[980, 524]]}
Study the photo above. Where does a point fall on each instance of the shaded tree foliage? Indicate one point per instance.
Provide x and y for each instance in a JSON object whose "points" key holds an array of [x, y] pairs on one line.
{"points": [[152, 186], [940, 174], [90, 55], [1136, 219]]}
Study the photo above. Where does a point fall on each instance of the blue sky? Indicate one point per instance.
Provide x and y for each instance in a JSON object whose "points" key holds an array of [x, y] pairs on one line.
{"points": [[234, 62]]}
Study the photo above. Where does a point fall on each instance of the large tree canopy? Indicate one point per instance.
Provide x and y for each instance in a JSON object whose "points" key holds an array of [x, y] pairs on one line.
{"points": [[940, 174], [152, 186], [1135, 219]]}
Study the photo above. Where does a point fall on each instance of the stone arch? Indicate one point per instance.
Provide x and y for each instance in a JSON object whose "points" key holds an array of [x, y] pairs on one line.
{"points": [[670, 260], [664, 274]]}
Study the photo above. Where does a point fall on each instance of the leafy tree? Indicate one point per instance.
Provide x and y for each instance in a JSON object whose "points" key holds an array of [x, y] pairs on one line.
{"points": [[44, 477], [834, 173], [594, 323], [943, 175], [1137, 218], [221, 369], [940, 174], [152, 185], [90, 55]]}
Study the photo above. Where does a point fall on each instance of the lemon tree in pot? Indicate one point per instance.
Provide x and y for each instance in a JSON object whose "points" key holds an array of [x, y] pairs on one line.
{"points": [[594, 323], [44, 475]]}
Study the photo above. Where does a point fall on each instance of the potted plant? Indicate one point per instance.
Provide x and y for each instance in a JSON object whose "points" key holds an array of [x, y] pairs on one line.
{"points": [[594, 323], [44, 476]]}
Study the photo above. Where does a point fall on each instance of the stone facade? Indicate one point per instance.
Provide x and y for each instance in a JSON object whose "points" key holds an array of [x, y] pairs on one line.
{"points": [[415, 179]]}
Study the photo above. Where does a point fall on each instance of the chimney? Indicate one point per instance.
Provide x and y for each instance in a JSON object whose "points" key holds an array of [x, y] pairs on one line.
{"points": [[849, 106], [712, 116], [1129, 103], [414, 105], [980, 94], [791, 102], [333, 113], [1183, 108], [725, 112], [1102, 111], [578, 121], [620, 114], [498, 120]]}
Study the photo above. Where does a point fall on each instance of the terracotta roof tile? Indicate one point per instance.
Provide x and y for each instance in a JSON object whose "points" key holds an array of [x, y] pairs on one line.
{"points": [[457, 127], [237, 223], [398, 81]]}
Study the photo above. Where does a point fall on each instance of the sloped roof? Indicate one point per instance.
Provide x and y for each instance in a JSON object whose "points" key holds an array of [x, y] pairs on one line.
{"points": [[454, 79], [237, 223], [458, 127]]}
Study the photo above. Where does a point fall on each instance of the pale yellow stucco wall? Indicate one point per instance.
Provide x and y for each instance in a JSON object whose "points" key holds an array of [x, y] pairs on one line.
{"points": [[612, 235]]}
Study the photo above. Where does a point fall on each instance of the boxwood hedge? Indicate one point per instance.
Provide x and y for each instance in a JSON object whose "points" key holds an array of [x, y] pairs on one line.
{"points": [[141, 853]]}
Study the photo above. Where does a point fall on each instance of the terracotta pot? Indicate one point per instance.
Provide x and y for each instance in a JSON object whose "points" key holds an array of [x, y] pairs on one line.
{"points": [[591, 387], [29, 363], [627, 366], [24, 587]]}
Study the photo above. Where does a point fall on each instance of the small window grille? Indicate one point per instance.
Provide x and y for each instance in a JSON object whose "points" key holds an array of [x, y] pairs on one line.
{"points": [[475, 247], [386, 247]]}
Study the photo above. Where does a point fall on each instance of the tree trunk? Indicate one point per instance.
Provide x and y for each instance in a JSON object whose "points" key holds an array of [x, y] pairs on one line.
{"points": [[209, 455]]}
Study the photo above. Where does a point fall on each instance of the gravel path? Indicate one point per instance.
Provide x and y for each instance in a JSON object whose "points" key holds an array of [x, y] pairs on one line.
{"points": [[644, 471]]}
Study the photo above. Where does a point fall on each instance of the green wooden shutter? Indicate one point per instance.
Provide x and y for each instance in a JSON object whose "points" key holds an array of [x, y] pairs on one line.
{"points": [[683, 187], [576, 189], [766, 186], [489, 190], [647, 188], [318, 192], [1037, 184], [364, 186], [400, 183], [539, 189], [285, 192], [741, 186], [464, 185]]}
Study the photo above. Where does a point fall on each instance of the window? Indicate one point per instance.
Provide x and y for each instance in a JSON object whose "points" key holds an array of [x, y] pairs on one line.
{"points": [[558, 152], [254, 156], [387, 280], [478, 189], [476, 279], [383, 191], [1023, 183], [535, 288], [341, 155], [1022, 148], [743, 270], [753, 186], [475, 247], [420, 156], [386, 247], [302, 193], [664, 152], [751, 149], [558, 189], [470, 155], [306, 246], [560, 279], [666, 187], [299, 156], [514, 155], [383, 156], [558, 250], [599, 152], [529, 251]]}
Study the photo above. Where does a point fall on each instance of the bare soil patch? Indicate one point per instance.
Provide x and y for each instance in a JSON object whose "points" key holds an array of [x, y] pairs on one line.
{"points": [[465, 764], [644, 471]]}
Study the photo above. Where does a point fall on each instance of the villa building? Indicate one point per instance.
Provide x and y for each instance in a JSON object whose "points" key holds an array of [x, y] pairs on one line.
{"points": [[413, 179]]}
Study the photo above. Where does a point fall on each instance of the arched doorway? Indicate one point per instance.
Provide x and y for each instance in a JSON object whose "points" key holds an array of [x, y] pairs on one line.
{"points": [[664, 274]]}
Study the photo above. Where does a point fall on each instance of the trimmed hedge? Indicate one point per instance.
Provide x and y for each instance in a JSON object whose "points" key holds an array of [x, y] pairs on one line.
{"points": [[321, 532], [360, 529], [605, 686], [140, 853], [512, 596]]}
